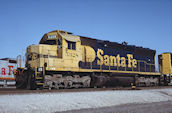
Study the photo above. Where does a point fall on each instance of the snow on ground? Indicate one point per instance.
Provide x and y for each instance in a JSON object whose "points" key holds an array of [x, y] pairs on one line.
{"points": [[52, 102]]}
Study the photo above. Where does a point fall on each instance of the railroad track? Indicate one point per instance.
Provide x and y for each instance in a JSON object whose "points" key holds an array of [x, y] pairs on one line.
{"points": [[4, 91]]}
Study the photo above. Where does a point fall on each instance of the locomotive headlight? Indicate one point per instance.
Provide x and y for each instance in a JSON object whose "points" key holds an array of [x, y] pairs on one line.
{"points": [[40, 69]]}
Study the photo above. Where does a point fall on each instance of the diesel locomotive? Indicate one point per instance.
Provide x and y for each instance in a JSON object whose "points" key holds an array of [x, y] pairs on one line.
{"points": [[64, 60]]}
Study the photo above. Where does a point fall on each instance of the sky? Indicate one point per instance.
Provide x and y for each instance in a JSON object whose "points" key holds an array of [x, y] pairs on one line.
{"points": [[146, 23]]}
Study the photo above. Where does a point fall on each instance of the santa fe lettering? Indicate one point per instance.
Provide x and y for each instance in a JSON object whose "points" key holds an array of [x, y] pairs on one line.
{"points": [[115, 60]]}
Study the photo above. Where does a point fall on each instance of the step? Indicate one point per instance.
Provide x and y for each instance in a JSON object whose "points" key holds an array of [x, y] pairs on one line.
{"points": [[39, 73], [39, 78], [39, 83]]}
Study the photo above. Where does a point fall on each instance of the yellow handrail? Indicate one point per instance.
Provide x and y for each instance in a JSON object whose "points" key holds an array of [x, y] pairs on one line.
{"points": [[133, 69]]}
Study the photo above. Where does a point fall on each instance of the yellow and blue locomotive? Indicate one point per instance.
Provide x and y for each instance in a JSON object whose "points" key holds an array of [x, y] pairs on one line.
{"points": [[64, 60]]}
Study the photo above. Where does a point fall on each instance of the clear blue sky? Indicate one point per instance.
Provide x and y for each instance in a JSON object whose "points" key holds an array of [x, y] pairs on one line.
{"points": [[146, 23]]}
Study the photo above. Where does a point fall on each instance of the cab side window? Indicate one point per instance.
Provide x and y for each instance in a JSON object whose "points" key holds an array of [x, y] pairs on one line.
{"points": [[71, 45], [49, 42]]}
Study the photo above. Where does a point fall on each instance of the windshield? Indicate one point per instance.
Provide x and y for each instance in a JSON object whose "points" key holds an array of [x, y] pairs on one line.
{"points": [[49, 42]]}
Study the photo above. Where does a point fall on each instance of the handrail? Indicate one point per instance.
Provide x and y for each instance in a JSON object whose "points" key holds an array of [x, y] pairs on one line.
{"points": [[20, 61], [147, 66]]}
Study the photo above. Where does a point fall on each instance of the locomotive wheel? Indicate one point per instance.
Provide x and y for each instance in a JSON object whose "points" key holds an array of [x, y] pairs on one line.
{"points": [[31, 83], [70, 84]]}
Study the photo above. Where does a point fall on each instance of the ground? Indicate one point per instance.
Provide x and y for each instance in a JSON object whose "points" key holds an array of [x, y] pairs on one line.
{"points": [[108, 101], [155, 107]]}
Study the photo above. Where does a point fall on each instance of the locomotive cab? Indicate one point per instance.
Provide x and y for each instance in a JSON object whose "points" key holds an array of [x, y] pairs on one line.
{"points": [[58, 52], [57, 49]]}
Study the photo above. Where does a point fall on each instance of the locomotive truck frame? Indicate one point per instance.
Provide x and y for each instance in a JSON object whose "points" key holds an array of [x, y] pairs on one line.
{"points": [[64, 60]]}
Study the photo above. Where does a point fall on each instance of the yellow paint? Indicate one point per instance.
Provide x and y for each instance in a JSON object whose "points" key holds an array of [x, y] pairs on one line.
{"points": [[113, 71], [99, 55], [118, 60], [165, 63], [131, 61], [123, 62], [88, 54], [115, 61]]}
